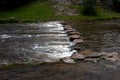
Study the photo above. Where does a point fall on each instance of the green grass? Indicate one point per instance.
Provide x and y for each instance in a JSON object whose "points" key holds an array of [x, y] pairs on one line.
{"points": [[43, 11], [35, 10]]}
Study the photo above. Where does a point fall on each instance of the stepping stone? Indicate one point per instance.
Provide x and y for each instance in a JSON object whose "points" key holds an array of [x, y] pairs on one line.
{"points": [[63, 23], [68, 31], [78, 41], [73, 33], [113, 56], [68, 60], [72, 37], [78, 56], [92, 59], [86, 52], [68, 28], [94, 55]]}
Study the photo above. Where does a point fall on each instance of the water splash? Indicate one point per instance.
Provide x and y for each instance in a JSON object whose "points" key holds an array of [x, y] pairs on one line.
{"points": [[35, 42]]}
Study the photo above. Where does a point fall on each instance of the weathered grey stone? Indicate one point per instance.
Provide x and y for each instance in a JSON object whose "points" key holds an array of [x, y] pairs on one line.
{"points": [[68, 60], [68, 31], [73, 33], [86, 52], [113, 56], [78, 56], [68, 28], [94, 55], [92, 59], [74, 36], [77, 41], [63, 22]]}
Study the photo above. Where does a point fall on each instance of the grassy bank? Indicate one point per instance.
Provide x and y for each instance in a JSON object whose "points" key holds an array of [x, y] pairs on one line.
{"points": [[43, 11], [36, 10]]}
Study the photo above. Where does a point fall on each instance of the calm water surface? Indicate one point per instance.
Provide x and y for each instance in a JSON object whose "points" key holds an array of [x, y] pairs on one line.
{"points": [[100, 36]]}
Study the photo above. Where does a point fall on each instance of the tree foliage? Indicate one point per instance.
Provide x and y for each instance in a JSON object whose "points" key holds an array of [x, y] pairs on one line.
{"points": [[89, 7], [6, 5], [116, 4]]}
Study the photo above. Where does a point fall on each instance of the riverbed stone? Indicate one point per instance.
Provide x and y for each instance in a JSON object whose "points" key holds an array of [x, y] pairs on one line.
{"points": [[74, 33], [63, 22], [72, 37], [92, 59], [94, 55], [77, 41], [113, 56], [68, 27], [78, 56], [68, 60], [68, 31], [86, 52]]}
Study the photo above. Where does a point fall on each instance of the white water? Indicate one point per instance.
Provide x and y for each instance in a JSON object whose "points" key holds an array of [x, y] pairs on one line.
{"points": [[41, 42]]}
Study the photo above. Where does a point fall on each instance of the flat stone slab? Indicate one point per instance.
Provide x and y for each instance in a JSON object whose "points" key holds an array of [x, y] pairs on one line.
{"points": [[92, 59], [68, 28], [77, 41], [90, 56], [78, 56], [74, 36], [73, 33], [112, 56], [68, 60], [68, 31], [63, 22]]}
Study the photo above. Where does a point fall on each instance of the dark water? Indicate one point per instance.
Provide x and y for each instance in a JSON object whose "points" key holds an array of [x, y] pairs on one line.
{"points": [[100, 36]]}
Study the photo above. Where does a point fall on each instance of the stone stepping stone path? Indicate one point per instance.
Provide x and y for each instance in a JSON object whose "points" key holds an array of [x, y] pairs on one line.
{"points": [[45, 42], [86, 55]]}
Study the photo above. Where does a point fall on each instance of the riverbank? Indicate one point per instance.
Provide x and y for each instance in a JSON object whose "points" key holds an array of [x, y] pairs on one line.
{"points": [[103, 70], [44, 11]]}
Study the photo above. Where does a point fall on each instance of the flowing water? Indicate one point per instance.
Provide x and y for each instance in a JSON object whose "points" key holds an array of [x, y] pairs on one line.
{"points": [[48, 42], [33, 42]]}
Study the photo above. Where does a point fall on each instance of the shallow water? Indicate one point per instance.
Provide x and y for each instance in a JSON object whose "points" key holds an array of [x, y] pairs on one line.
{"points": [[33, 42], [99, 36], [48, 42]]}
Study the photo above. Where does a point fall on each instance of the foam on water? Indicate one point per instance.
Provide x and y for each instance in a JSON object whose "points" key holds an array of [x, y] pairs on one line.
{"points": [[54, 49], [40, 44], [5, 36]]}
